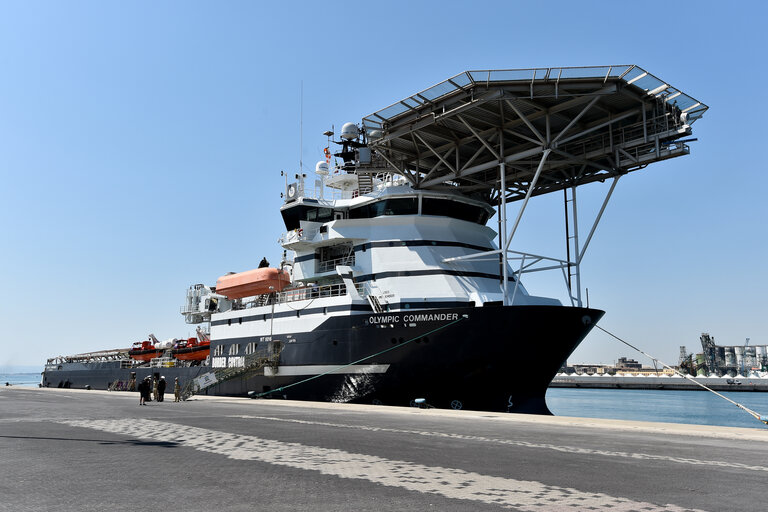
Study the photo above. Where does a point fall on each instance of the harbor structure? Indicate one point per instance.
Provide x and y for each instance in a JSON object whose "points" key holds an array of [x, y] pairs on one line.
{"points": [[731, 360]]}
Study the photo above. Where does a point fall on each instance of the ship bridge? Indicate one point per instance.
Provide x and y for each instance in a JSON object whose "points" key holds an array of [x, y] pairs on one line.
{"points": [[508, 135]]}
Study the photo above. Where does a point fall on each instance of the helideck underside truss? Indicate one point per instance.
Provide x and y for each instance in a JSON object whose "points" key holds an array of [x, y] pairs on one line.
{"points": [[552, 128], [508, 135]]}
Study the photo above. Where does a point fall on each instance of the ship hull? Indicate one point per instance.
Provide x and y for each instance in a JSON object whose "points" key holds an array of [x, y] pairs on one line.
{"points": [[490, 358]]}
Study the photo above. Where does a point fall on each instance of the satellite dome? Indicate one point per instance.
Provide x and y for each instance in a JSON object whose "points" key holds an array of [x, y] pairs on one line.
{"points": [[375, 134], [321, 168], [349, 131]]}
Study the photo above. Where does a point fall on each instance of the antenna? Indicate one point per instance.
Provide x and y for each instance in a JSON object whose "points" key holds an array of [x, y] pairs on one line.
{"points": [[301, 128]]}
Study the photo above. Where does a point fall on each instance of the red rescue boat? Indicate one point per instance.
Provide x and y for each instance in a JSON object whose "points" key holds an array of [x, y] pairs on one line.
{"points": [[252, 282], [144, 351], [192, 350]]}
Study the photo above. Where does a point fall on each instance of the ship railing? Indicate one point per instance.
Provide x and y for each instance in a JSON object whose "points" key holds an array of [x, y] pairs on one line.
{"points": [[633, 138], [311, 292], [330, 265], [298, 235], [101, 356]]}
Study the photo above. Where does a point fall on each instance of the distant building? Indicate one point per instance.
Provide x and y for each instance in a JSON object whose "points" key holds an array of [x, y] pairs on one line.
{"points": [[623, 366], [581, 369], [625, 363]]}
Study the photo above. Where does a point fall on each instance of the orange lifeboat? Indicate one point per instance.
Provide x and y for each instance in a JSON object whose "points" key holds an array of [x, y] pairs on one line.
{"points": [[144, 351], [252, 282], [192, 350]]}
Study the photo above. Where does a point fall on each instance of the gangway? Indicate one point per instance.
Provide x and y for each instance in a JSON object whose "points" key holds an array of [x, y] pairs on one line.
{"points": [[252, 363], [508, 135]]}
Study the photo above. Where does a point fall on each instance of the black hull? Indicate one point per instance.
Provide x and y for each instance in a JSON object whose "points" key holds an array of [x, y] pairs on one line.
{"points": [[492, 358]]}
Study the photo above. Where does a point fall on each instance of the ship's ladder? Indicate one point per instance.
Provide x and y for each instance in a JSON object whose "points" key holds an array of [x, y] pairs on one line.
{"points": [[375, 304], [364, 183], [252, 363], [373, 298]]}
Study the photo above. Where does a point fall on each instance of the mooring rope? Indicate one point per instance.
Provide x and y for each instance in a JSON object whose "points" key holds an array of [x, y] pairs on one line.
{"points": [[746, 409], [399, 345]]}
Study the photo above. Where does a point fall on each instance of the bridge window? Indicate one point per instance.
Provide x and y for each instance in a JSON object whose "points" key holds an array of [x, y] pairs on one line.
{"points": [[454, 209], [294, 215], [395, 206]]}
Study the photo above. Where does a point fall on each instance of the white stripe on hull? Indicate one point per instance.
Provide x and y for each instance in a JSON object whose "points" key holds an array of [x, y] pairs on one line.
{"points": [[317, 369]]}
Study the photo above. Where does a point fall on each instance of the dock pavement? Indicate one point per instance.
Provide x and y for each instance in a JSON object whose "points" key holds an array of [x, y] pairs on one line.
{"points": [[78, 450]]}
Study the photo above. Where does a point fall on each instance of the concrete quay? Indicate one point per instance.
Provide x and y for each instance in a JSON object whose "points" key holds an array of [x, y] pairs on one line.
{"points": [[77, 450]]}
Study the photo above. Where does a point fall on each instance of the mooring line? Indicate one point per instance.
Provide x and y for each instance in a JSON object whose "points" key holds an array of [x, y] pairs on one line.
{"points": [[399, 345], [746, 409]]}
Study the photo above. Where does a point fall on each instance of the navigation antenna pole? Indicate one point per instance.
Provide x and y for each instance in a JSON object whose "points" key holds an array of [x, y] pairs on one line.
{"points": [[301, 128]]}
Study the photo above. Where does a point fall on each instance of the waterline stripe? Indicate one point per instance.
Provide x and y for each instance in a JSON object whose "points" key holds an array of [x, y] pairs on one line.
{"points": [[525, 444], [523, 495]]}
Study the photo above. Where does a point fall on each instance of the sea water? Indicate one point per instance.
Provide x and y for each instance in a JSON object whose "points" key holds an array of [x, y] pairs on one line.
{"points": [[696, 407], [20, 379]]}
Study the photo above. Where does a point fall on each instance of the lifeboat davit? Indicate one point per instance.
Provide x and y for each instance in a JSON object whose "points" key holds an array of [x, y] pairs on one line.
{"points": [[192, 350], [144, 351], [252, 282]]}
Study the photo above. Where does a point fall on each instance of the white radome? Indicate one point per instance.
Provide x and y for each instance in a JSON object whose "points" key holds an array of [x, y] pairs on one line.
{"points": [[349, 131]]}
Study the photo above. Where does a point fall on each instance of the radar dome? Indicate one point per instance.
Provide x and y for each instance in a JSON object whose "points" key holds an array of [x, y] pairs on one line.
{"points": [[321, 168], [349, 131], [375, 134]]}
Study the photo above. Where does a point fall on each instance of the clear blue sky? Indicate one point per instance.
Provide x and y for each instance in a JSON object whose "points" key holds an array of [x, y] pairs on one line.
{"points": [[141, 145]]}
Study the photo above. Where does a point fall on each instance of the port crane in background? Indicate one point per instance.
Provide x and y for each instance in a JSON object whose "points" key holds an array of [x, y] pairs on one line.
{"points": [[744, 358]]}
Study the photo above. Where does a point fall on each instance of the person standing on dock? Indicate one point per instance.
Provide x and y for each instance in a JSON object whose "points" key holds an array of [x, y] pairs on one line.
{"points": [[176, 390], [143, 389], [154, 389], [161, 389]]}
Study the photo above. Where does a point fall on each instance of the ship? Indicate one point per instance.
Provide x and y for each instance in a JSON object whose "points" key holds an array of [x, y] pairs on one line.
{"points": [[393, 289]]}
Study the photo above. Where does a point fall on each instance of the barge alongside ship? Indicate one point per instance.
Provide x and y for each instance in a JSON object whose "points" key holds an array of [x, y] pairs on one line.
{"points": [[397, 288]]}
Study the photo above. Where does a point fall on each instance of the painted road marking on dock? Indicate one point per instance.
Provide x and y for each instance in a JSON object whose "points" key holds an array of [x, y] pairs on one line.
{"points": [[524, 495], [511, 442]]}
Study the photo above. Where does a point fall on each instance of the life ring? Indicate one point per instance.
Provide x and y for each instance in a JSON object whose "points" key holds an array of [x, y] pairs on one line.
{"points": [[327, 155]]}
